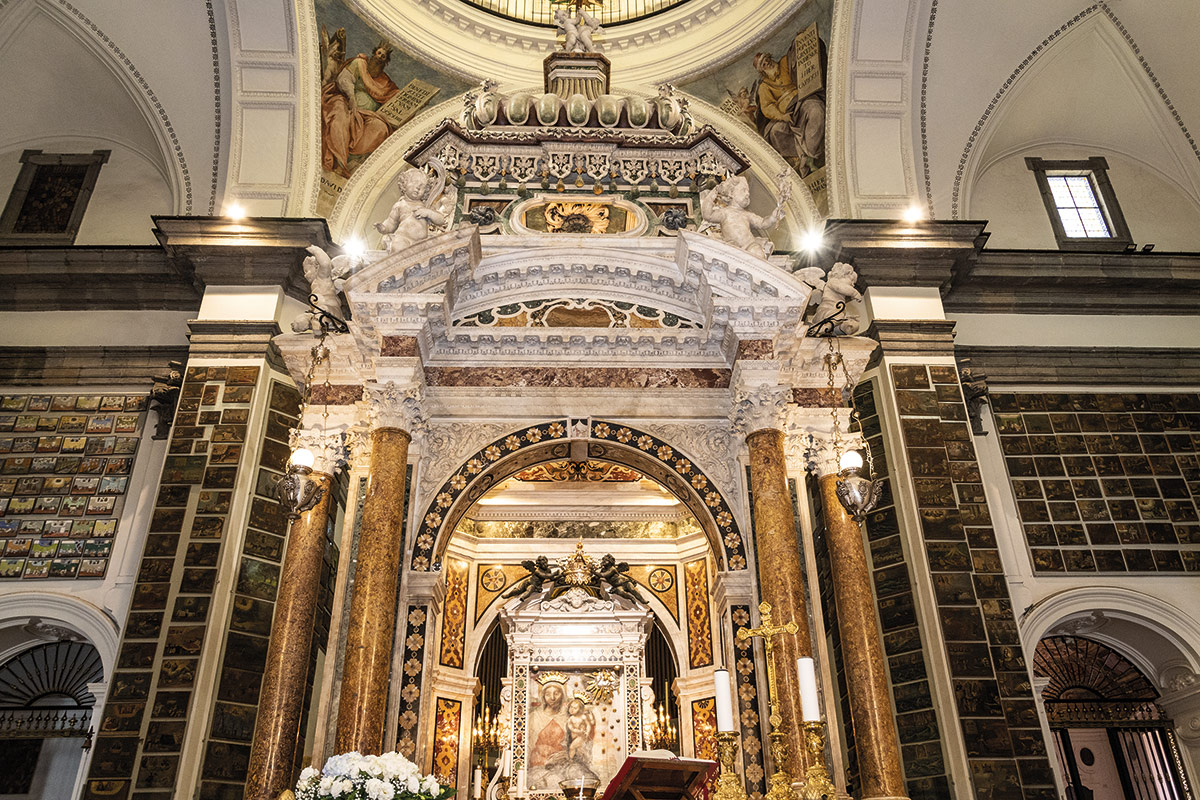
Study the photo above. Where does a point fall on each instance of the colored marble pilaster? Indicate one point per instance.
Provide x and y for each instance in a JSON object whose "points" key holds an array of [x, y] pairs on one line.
{"points": [[363, 703], [277, 734], [862, 646], [782, 583]]}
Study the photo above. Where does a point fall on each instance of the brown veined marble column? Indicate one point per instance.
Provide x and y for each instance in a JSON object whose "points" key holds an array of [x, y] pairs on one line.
{"points": [[780, 578], [285, 681], [363, 704], [875, 738]]}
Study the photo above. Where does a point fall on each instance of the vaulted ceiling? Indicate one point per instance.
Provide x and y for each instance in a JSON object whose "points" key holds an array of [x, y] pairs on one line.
{"points": [[933, 103]]}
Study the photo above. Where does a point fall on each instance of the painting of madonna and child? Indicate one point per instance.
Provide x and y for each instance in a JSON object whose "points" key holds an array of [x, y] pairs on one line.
{"points": [[573, 733]]}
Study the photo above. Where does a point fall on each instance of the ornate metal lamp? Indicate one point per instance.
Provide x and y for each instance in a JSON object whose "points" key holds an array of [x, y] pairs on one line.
{"points": [[297, 491], [857, 494]]}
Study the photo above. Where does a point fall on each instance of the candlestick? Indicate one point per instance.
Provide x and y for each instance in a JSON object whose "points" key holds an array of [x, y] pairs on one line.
{"points": [[729, 785], [810, 706], [817, 785], [724, 701]]}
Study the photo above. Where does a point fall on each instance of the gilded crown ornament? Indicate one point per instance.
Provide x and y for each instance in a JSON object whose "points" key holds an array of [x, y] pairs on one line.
{"points": [[552, 677]]}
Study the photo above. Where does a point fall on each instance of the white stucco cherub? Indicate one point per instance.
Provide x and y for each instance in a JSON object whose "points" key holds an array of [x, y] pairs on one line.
{"points": [[325, 274], [728, 205], [577, 30], [834, 315], [424, 204]]}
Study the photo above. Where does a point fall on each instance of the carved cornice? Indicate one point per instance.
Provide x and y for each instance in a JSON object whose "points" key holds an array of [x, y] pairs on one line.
{"points": [[392, 405]]}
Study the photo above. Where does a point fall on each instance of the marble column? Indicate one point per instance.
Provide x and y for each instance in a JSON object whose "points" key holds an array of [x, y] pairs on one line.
{"points": [[273, 751], [392, 411], [880, 770], [759, 413]]}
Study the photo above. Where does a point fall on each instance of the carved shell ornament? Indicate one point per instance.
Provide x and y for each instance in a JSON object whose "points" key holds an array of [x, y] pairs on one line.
{"points": [[575, 217]]}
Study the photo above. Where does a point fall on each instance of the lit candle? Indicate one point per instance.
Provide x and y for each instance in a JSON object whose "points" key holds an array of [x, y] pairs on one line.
{"points": [[478, 783], [724, 701], [810, 706]]}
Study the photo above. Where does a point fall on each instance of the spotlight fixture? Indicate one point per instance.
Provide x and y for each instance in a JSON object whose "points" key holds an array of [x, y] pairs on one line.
{"points": [[297, 491], [1131, 247], [1146, 248], [914, 213], [812, 241], [235, 212], [354, 247]]}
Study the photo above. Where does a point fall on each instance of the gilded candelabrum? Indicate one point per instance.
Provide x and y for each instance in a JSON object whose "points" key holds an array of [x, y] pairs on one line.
{"points": [[780, 785], [817, 784], [729, 784]]}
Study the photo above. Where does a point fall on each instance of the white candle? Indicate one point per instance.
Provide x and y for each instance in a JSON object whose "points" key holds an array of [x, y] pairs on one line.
{"points": [[521, 781], [810, 706], [724, 701], [506, 763], [478, 783]]}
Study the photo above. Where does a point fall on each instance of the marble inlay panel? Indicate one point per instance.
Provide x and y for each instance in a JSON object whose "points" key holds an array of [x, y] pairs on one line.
{"points": [[700, 649]]}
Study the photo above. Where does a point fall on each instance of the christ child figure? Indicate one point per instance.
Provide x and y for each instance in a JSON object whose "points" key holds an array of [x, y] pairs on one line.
{"points": [[580, 730]]}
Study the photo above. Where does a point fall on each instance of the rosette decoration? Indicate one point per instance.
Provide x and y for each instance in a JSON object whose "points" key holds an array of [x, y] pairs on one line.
{"points": [[353, 776]]}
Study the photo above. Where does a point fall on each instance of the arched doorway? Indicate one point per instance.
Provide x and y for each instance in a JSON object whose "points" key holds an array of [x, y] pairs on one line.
{"points": [[46, 717], [544, 502], [1113, 740]]}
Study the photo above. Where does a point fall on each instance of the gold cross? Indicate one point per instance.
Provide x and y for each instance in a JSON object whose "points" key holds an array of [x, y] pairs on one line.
{"points": [[766, 630]]}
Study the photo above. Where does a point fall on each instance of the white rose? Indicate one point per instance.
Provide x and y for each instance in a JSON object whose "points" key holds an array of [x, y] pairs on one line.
{"points": [[326, 785], [413, 783], [307, 774], [432, 786], [379, 790]]}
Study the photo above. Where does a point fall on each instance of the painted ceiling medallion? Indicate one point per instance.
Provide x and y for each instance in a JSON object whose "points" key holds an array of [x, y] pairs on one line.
{"points": [[573, 217]]}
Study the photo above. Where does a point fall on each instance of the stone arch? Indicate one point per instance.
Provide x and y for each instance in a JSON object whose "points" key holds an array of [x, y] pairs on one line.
{"points": [[89, 621], [608, 441], [1157, 637]]}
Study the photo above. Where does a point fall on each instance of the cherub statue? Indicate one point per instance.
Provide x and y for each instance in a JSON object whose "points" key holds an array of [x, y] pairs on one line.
{"points": [[325, 274], [728, 205], [540, 573], [164, 394], [578, 31], [613, 573], [833, 296], [975, 394], [424, 203]]}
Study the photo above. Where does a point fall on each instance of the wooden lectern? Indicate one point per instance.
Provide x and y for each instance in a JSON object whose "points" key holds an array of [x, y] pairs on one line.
{"points": [[650, 778]]}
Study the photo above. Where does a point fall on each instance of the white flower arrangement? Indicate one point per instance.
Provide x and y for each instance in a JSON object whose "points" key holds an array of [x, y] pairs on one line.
{"points": [[353, 776]]}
